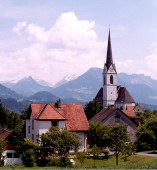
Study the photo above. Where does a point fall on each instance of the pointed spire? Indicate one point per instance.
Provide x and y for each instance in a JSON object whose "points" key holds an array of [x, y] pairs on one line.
{"points": [[109, 59]]}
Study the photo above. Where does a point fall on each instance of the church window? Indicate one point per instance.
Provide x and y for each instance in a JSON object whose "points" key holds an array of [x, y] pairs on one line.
{"points": [[117, 119], [121, 108], [111, 79]]}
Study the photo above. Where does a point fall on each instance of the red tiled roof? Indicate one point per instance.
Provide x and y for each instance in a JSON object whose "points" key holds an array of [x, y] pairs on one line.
{"points": [[73, 114], [142, 107], [129, 113], [105, 112], [102, 115], [129, 108], [48, 112], [36, 108], [4, 133]]}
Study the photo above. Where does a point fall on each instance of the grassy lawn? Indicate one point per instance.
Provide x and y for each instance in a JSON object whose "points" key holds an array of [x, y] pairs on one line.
{"points": [[134, 162]]}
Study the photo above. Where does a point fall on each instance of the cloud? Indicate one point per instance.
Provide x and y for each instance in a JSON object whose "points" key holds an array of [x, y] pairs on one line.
{"points": [[69, 46], [68, 32], [19, 26], [147, 66]]}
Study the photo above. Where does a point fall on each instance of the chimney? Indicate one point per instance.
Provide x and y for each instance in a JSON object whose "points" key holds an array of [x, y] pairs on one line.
{"points": [[59, 103]]}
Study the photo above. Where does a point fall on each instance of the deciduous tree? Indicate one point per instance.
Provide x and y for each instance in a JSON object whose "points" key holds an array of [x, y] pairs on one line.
{"points": [[59, 141], [119, 136], [99, 134]]}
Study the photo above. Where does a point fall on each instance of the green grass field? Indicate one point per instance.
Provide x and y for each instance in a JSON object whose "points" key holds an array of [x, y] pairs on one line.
{"points": [[134, 162]]}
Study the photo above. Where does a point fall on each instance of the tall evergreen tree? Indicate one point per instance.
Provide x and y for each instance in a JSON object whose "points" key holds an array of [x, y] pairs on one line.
{"points": [[92, 108]]}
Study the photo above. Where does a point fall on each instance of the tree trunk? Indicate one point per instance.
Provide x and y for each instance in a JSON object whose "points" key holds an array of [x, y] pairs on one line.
{"points": [[116, 156]]}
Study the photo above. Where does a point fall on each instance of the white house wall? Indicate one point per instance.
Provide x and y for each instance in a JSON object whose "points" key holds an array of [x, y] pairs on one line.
{"points": [[44, 126], [34, 131], [10, 161], [83, 136]]}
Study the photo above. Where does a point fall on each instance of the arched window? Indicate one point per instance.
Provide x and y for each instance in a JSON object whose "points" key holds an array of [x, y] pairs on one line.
{"points": [[121, 108], [104, 80], [111, 79]]}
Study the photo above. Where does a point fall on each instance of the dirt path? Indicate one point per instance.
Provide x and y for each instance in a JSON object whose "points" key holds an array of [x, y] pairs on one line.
{"points": [[146, 154]]}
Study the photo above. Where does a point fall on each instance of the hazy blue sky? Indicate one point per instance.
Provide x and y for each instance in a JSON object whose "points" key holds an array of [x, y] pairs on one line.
{"points": [[48, 39]]}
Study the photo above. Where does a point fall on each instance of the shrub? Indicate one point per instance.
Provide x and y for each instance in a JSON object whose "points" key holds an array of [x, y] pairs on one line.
{"points": [[106, 155], [65, 162], [53, 162], [28, 158], [41, 162]]}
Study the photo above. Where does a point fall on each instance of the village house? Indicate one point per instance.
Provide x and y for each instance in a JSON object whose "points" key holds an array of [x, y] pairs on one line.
{"points": [[114, 116], [69, 116], [11, 157]]}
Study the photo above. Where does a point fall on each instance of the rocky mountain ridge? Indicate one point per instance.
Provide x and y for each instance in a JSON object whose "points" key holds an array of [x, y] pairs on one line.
{"points": [[82, 89]]}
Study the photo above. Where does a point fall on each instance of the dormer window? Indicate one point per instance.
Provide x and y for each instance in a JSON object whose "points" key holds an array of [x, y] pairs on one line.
{"points": [[117, 119]]}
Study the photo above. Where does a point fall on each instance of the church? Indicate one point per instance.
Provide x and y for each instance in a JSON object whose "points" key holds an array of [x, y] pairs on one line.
{"points": [[119, 106], [111, 95]]}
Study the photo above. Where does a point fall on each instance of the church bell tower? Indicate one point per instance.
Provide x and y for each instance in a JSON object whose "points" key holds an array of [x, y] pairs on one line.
{"points": [[109, 78]]}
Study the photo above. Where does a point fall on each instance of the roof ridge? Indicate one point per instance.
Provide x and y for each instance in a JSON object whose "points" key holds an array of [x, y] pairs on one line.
{"points": [[41, 111]]}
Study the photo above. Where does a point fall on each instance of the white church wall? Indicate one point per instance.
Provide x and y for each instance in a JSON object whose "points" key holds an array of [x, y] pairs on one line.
{"points": [[123, 106]]}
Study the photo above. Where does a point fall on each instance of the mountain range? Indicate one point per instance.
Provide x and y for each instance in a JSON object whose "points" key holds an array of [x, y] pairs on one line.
{"points": [[76, 90]]}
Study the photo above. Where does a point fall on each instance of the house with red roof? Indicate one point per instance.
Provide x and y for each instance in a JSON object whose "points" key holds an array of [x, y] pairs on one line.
{"points": [[11, 157], [114, 116], [69, 116]]}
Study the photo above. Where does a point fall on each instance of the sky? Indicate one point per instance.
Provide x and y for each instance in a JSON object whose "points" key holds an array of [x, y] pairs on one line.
{"points": [[53, 38]]}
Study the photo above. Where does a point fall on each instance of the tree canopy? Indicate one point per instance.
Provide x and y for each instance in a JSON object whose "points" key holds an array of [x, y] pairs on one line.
{"points": [[147, 132], [114, 137], [92, 108], [99, 134], [59, 141], [11, 120]]}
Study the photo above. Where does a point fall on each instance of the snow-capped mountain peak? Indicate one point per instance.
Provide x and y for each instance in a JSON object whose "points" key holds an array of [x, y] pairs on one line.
{"points": [[66, 79]]}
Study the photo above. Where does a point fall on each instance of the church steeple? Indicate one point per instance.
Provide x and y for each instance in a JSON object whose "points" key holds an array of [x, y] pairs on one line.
{"points": [[109, 59], [109, 78]]}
